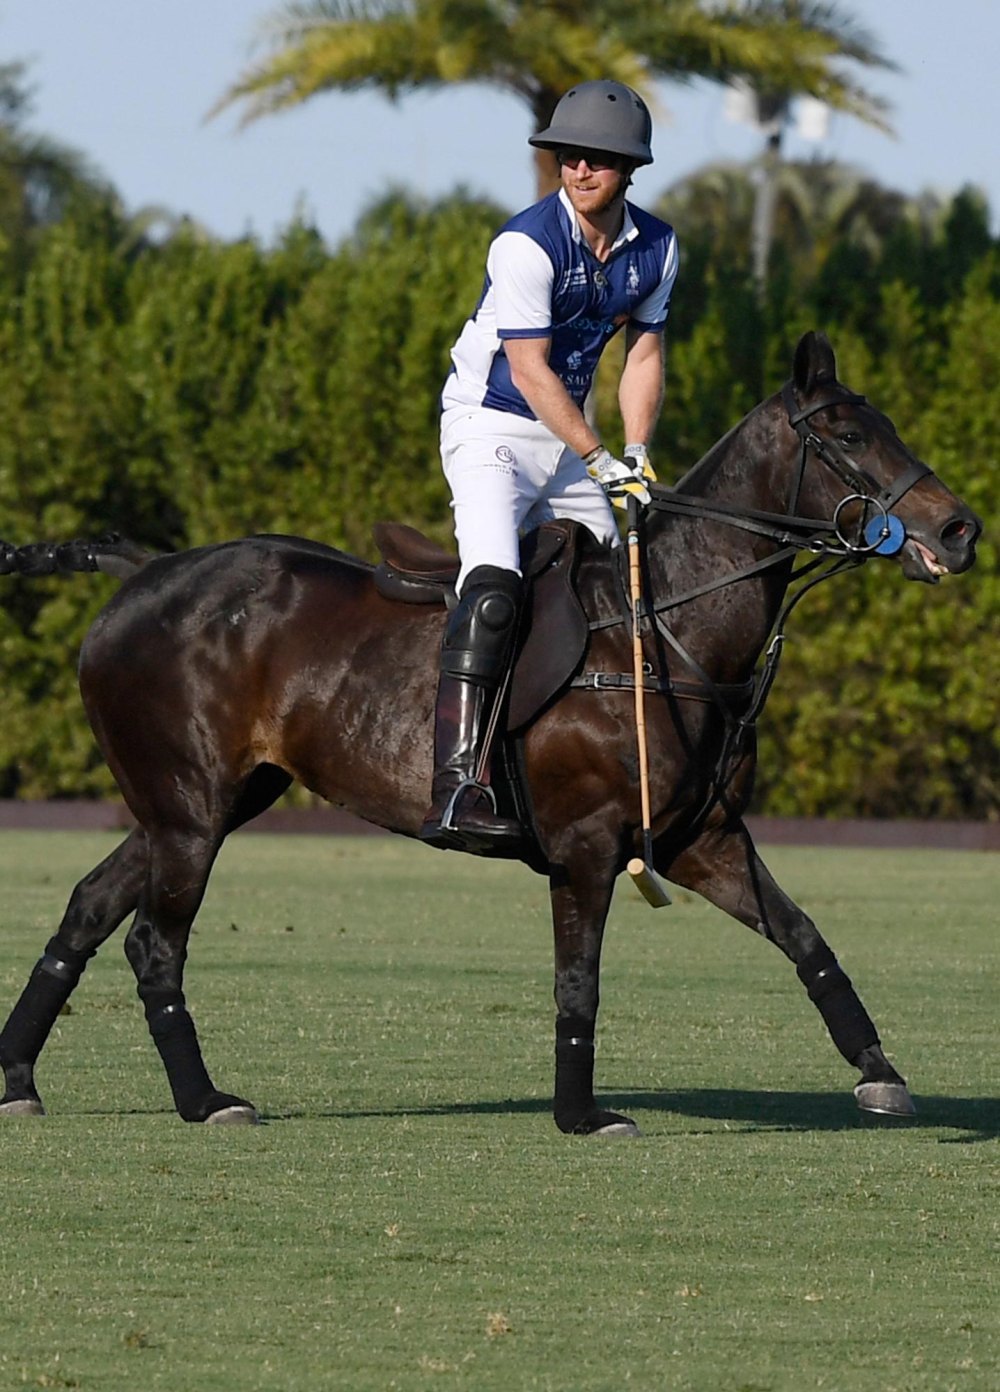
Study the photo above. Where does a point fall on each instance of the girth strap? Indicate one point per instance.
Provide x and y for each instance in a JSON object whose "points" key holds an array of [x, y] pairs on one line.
{"points": [[736, 694]]}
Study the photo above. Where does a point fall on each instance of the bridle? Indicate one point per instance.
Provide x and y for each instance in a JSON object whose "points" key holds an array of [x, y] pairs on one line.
{"points": [[883, 534], [879, 532]]}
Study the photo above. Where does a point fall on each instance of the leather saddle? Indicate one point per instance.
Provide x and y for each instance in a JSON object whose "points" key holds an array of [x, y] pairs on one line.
{"points": [[554, 629]]}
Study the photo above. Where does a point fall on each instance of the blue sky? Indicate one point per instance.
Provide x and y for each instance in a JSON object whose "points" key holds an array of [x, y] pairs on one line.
{"points": [[129, 83]]}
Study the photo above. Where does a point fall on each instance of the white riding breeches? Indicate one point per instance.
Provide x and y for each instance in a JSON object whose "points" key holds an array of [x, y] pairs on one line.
{"points": [[507, 475]]}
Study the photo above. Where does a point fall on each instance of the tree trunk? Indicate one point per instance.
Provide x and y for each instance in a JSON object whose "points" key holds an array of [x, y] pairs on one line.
{"points": [[763, 209], [547, 177]]}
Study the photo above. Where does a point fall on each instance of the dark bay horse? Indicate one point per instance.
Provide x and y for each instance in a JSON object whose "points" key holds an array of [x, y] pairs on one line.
{"points": [[215, 677]]}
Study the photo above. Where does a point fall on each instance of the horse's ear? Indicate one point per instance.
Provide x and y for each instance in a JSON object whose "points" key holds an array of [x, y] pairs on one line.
{"points": [[814, 362]]}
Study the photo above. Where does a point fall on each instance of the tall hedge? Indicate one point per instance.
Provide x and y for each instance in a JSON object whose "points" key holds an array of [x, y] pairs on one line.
{"points": [[199, 391]]}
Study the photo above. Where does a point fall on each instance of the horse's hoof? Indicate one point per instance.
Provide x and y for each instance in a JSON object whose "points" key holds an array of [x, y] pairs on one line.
{"points": [[885, 1099], [22, 1106], [599, 1123], [622, 1127], [233, 1116]]}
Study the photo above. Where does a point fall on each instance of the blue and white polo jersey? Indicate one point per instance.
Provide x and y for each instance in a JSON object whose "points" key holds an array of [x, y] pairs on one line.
{"points": [[543, 280]]}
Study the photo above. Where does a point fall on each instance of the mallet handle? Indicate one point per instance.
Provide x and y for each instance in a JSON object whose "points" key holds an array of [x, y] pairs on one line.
{"points": [[645, 878], [635, 586]]}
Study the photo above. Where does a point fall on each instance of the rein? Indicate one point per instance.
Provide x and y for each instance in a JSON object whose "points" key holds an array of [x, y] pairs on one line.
{"points": [[881, 533]]}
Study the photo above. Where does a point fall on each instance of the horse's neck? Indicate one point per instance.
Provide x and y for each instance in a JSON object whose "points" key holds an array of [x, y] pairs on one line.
{"points": [[740, 468], [748, 468]]}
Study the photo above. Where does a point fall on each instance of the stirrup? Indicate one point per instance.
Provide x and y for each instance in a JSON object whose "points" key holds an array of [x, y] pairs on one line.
{"points": [[447, 822]]}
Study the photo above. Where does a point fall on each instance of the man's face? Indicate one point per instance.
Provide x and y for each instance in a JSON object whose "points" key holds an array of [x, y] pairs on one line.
{"points": [[593, 179]]}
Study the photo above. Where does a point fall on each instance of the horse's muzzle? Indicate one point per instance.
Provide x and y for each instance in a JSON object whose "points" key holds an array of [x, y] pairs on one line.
{"points": [[950, 549]]}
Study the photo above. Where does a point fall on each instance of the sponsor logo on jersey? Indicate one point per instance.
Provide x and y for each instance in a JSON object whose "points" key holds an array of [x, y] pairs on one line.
{"points": [[505, 453], [574, 279], [632, 280], [585, 326]]}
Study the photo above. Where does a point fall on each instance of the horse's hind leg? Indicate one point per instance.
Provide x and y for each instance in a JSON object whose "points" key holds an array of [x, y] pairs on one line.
{"points": [[156, 947], [723, 866], [96, 907]]}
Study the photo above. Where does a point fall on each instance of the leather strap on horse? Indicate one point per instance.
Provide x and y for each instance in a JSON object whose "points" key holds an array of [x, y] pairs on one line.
{"points": [[736, 694], [834, 457]]}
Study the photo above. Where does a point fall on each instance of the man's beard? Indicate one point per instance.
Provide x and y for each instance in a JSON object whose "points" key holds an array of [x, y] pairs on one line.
{"points": [[606, 201]]}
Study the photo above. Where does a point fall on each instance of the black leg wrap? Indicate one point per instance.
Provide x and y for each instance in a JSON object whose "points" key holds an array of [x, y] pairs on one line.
{"points": [[830, 990], [175, 1037], [49, 988], [574, 1091]]}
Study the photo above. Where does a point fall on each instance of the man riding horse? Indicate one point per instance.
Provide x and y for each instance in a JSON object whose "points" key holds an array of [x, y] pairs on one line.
{"points": [[562, 278]]}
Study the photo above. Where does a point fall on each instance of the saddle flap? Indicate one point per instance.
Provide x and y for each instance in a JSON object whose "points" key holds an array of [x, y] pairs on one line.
{"points": [[555, 627]]}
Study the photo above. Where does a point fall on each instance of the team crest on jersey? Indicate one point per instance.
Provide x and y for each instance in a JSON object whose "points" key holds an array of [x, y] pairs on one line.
{"points": [[575, 361], [632, 279]]}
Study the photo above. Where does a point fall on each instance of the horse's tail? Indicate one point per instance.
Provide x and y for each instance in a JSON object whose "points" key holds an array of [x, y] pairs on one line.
{"points": [[112, 554]]}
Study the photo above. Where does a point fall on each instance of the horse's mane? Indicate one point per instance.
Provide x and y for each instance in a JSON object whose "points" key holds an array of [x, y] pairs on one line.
{"points": [[694, 480]]}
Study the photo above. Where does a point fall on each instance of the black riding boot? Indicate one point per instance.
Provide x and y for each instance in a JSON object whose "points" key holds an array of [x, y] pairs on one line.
{"points": [[477, 647]]}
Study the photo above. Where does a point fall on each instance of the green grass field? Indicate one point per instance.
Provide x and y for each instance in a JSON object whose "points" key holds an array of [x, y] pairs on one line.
{"points": [[410, 1218]]}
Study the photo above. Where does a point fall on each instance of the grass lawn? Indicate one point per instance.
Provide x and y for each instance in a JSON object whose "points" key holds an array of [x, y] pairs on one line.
{"points": [[408, 1217]]}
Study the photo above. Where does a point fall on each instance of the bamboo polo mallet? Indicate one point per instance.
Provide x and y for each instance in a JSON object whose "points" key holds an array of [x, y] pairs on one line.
{"points": [[645, 878]]}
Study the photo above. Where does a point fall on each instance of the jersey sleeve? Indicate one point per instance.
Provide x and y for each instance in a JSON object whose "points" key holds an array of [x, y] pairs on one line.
{"points": [[651, 313], [521, 275]]}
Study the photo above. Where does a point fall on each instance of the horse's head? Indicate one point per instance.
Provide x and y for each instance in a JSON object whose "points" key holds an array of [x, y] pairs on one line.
{"points": [[854, 465]]}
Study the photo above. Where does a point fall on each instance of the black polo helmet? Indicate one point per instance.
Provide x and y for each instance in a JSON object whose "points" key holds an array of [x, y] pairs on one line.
{"points": [[600, 115]]}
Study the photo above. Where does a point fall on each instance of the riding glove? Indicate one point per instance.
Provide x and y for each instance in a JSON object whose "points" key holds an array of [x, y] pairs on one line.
{"points": [[638, 458], [619, 481]]}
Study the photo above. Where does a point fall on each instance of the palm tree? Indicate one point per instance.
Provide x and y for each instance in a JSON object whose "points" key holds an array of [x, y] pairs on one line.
{"points": [[42, 182], [537, 49], [773, 102], [818, 205], [39, 179]]}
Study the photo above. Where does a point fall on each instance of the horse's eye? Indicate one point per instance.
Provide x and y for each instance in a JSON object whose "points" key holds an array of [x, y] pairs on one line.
{"points": [[852, 438]]}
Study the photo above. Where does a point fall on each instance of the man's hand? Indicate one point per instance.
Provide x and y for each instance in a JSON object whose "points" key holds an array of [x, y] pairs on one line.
{"points": [[637, 458], [619, 481]]}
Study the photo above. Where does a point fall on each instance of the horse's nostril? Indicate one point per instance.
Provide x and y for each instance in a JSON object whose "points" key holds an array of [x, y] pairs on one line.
{"points": [[956, 530]]}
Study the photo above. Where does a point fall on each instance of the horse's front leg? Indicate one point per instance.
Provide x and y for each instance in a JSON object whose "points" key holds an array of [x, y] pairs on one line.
{"points": [[723, 866], [156, 947], [581, 889]]}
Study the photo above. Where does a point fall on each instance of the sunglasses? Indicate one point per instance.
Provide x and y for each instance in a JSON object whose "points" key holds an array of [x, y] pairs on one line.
{"points": [[593, 159]]}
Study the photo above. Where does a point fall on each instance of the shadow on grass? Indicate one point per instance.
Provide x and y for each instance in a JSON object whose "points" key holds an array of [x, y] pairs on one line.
{"points": [[818, 1111], [979, 1117]]}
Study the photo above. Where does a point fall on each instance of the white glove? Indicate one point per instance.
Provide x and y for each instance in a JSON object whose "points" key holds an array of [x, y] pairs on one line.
{"points": [[638, 457], [619, 481]]}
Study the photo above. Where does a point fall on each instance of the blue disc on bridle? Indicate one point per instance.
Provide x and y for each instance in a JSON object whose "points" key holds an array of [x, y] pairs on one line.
{"points": [[885, 534]]}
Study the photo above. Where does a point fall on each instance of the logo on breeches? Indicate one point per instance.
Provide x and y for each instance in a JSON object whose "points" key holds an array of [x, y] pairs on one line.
{"points": [[506, 461]]}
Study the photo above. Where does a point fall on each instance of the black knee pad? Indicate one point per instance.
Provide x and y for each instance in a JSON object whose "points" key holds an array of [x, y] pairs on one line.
{"points": [[480, 631]]}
